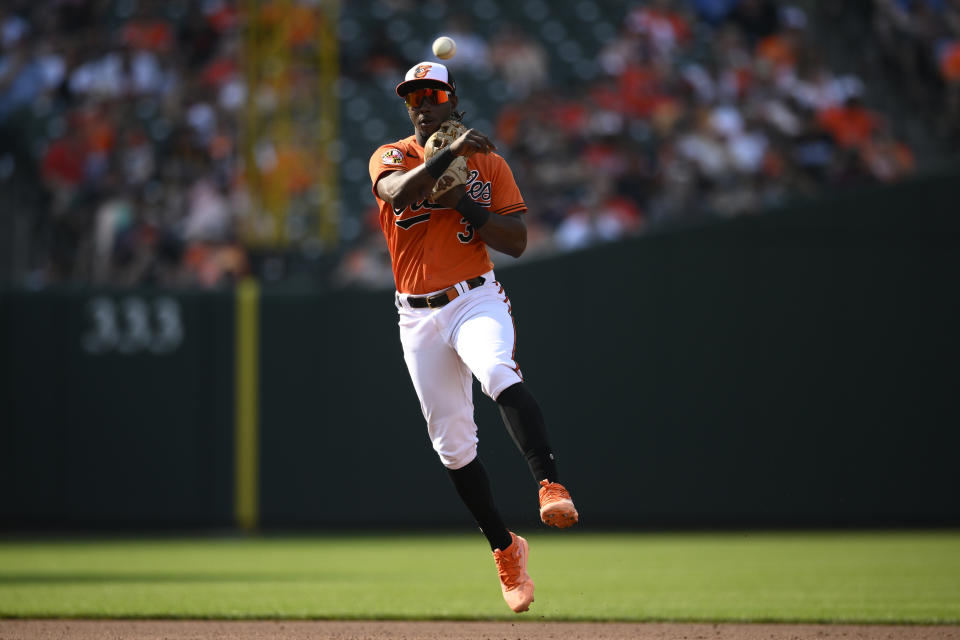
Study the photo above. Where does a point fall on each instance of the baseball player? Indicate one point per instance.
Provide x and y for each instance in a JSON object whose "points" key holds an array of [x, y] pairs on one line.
{"points": [[444, 196]]}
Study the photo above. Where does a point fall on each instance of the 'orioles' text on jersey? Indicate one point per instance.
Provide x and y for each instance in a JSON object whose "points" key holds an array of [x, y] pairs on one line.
{"points": [[433, 247]]}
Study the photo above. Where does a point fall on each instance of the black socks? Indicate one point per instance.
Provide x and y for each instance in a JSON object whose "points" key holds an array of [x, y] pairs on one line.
{"points": [[524, 420], [473, 485]]}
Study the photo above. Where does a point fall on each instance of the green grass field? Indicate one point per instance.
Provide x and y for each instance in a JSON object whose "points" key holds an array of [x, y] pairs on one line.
{"points": [[882, 577]]}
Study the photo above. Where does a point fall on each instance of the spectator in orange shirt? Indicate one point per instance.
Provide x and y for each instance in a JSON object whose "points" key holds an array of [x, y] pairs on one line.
{"points": [[950, 70], [950, 62], [779, 51], [850, 125]]}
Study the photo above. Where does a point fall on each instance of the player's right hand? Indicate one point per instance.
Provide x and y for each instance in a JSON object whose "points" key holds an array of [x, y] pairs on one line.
{"points": [[471, 142]]}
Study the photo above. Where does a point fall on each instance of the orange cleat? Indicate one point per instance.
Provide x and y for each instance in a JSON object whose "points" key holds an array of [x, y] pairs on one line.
{"points": [[515, 582], [556, 506]]}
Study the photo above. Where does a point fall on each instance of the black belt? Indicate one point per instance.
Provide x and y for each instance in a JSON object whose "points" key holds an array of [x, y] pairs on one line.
{"points": [[444, 297]]}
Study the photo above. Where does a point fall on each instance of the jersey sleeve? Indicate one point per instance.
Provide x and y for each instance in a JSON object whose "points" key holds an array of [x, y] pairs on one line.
{"points": [[506, 197], [387, 158]]}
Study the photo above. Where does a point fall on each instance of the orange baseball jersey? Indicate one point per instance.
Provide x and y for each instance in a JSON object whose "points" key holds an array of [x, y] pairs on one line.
{"points": [[433, 247]]}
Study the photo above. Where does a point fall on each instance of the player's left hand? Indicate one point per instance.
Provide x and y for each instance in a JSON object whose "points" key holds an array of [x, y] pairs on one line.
{"points": [[455, 175]]}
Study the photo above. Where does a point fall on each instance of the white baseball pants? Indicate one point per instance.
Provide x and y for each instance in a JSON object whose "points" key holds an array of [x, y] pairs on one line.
{"points": [[473, 335]]}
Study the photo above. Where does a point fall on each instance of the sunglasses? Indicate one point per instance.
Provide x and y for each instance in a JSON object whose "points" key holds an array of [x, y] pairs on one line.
{"points": [[415, 98]]}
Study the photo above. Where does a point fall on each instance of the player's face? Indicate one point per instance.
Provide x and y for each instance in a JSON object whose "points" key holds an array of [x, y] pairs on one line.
{"points": [[428, 108]]}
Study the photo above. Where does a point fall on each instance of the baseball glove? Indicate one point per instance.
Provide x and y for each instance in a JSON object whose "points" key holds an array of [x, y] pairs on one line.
{"points": [[456, 173]]}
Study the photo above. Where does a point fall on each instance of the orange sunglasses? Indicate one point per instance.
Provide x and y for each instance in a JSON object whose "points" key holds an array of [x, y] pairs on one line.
{"points": [[415, 98]]}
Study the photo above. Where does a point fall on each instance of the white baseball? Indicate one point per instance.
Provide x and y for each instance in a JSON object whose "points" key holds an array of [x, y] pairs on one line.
{"points": [[444, 47]]}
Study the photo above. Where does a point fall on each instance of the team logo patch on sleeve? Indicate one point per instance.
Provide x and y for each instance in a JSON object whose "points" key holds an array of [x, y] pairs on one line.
{"points": [[392, 157]]}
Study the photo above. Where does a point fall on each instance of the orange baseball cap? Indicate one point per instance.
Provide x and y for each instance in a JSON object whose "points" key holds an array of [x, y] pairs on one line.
{"points": [[427, 74]]}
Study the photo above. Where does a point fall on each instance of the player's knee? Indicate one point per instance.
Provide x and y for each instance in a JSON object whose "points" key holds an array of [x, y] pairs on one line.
{"points": [[456, 457], [454, 438], [497, 377]]}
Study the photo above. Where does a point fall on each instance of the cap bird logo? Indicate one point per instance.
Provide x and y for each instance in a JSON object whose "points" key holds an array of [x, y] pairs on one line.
{"points": [[422, 70]]}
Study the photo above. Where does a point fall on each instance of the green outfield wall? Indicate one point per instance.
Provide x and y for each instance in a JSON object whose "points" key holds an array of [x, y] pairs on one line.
{"points": [[116, 408], [794, 368]]}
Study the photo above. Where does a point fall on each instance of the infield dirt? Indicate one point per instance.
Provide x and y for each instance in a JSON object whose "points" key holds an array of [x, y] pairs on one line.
{"points": [[440, 630]]}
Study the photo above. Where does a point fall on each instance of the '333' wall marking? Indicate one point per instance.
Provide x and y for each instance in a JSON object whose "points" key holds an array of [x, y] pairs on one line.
{"points": [[133, 325]]}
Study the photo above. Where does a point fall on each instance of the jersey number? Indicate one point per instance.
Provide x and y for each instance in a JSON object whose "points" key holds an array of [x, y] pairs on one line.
{"points": [[464, 236], [467, 234]]}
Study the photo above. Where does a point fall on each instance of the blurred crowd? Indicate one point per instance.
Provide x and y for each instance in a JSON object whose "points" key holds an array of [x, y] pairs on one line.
{"points": [[701, 108], [127, 115], [708, 109], [920, 42]]}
